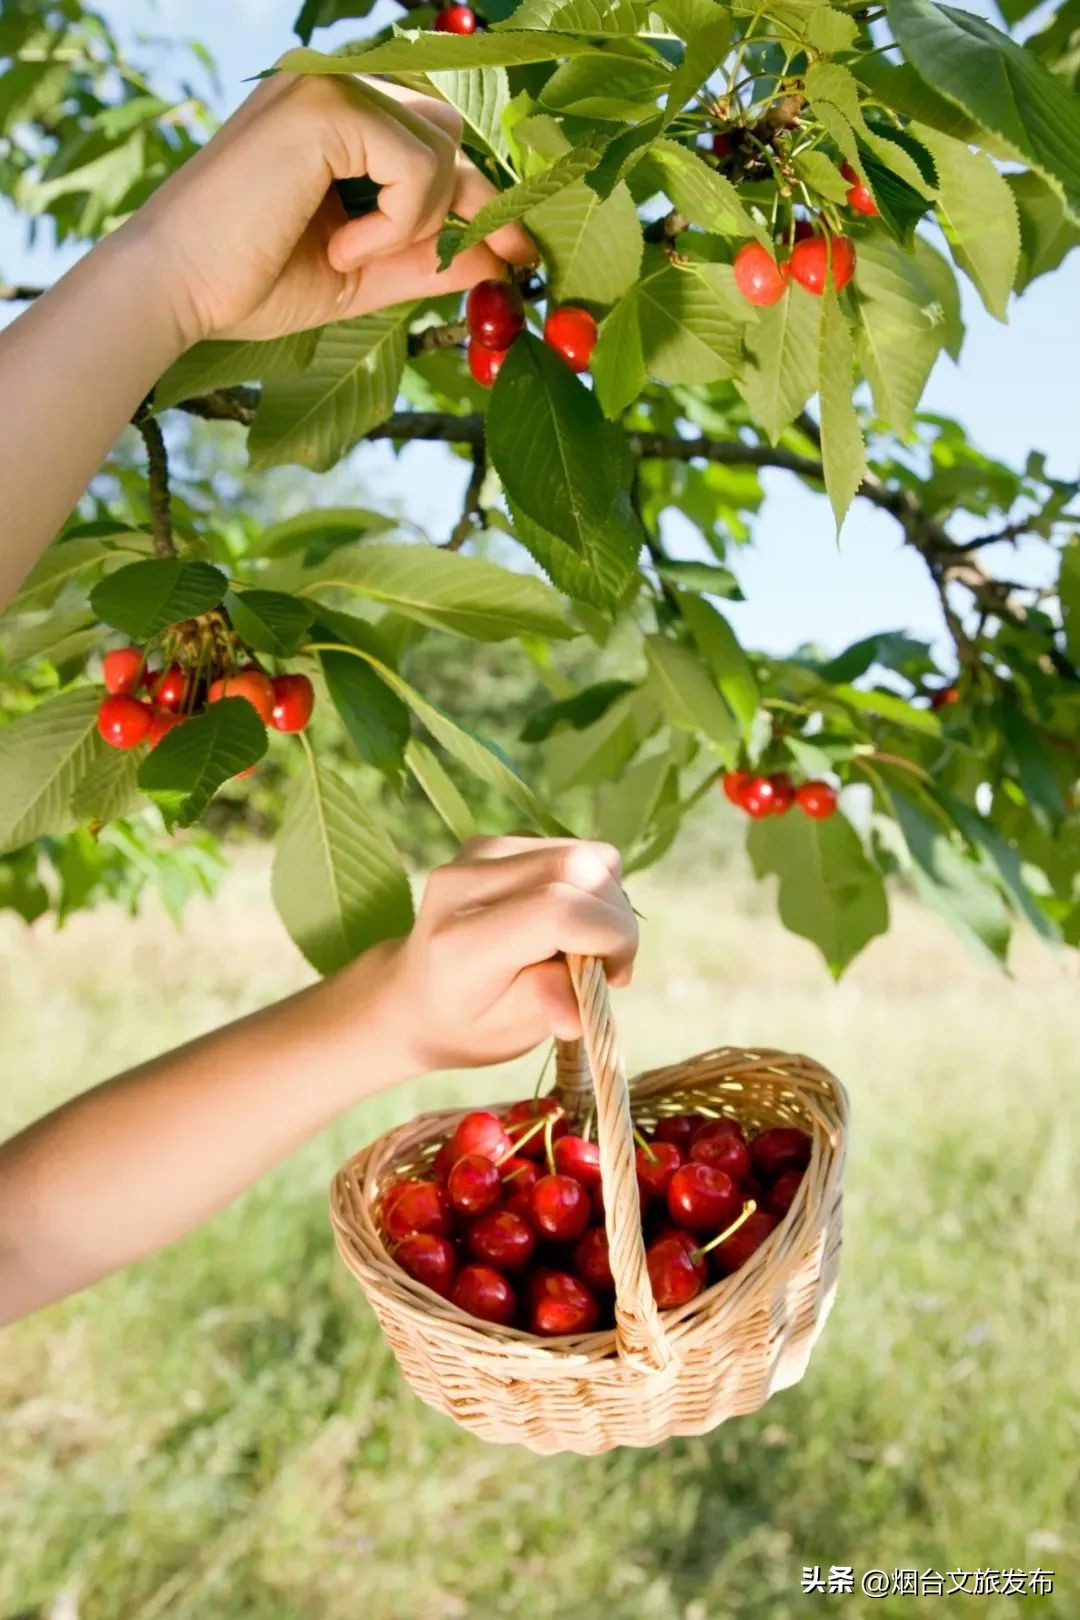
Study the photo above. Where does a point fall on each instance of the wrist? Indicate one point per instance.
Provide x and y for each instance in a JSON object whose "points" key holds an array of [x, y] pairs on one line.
{"points": [[363, 1008], [152, 278]]}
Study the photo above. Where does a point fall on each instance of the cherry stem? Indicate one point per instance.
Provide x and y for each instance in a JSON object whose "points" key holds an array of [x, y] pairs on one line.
{"points": [[644, 1143], [549, 1134], [544, 1070], [747, 1210], [527, 1134]]}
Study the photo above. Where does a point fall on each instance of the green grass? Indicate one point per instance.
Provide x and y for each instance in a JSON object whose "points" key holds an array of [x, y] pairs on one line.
{"points": [[220, 1432]]}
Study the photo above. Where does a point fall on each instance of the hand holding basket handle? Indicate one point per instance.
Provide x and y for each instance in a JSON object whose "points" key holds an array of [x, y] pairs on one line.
{"points": [[657, 1374]]}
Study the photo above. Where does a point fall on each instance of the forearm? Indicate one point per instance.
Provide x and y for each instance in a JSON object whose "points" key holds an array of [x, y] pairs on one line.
{"points": [[73, 370], [139, 1161]]}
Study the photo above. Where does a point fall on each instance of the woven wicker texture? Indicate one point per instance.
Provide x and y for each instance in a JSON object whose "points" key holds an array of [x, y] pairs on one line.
{"points": [[679, 1372]]}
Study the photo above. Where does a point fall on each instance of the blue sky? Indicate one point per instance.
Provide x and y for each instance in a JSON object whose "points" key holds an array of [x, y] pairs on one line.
{"points": [[1015, 389]]}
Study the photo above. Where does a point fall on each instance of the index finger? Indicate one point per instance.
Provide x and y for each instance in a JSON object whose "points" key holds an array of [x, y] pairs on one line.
{"points": [[510, 242]]}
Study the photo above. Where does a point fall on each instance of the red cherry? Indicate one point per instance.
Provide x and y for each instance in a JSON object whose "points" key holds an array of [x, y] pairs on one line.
{"points": [[860, 197], [781, 1195], [501, 1238], [519, 1175], [758, 276], [758, 797], [944, 697], [124, 722], [428, 1258], [485, 1293], [816, 800], [444, 1161], [294, 699], [725, 1153], [485, 364], [121, 670], [803, 231], [677, 1270], [734, 784], [778, 1149], [703, 1198], [722, 144], [572, 333], [656, 1164], [456, 20], [480, 1132], [810, 262], [720, 1127], [162, 722], [495, 315], [519, 1204], [527, 1122], [561, 1303], [736, 1250], [560, 1207], [591, 1261], [247, 683], [473, 1185], [168, 688], [578, 1158], [418, 1206], [783, 792], [679, 1128]]}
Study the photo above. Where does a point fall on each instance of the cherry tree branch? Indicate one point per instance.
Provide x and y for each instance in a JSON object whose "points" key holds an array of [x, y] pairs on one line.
{"points": [[18, 293], [157, 478], [471, 512]]}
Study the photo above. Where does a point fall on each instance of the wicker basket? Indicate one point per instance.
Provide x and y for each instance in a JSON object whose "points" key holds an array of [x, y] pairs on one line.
{"points": [[679, 1373]]}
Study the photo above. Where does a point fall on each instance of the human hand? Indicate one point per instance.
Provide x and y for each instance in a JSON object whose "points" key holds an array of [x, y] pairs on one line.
{"points": [[255, 241], [480, 979]]}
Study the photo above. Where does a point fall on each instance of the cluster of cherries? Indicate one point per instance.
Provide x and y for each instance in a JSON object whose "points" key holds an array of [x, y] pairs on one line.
{"points": [[509, 1223], [143, 703], [495, 316], [774, 795], [762, 280]]}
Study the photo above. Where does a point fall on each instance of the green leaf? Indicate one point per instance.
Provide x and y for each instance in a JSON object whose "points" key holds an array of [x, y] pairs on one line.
{"points": [[887, 706], [900, 206], [591, 249], [729, 665], [26, 641], [578, 711], [821, 175], [625, 808], [599, 578], [1000, 84], [829, 892], [897, 86], [706, 48], [831, 31], [467, 596], [1005, 862], [618, 365], [596, 753], [843, 453], [692, 326], [320, 531], [375, 718], [429, 52], [191, 761], [560, 462], [612, 90], [979, 218], [953, 885], [349, 387], [21, 889], [147, 597], [67, 561], [902, 329], [940, 278], [213, 365], [481, 96], [829, 84], [705, 197], [440, 789], [43, 756], [338, 882], [579, 16], [1046, 235], [269, 621], [1069, 592], [711, 578], [109, 790], [516, 201], [686, 693], [782, 376], [1039, 781]]}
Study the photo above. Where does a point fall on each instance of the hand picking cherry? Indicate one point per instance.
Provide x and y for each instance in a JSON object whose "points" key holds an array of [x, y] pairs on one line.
{"points": [[702, 1198], [495, 314], [429, 1259], [485, 1292], [782, 1147], [561, 1303], [473, 1185], [758, 276], [501, 1238], [418, 1206], [575, 1157], [561, 1208]]}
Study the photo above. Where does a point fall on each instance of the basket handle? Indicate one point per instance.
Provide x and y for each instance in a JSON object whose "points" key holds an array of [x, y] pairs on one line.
{"points": [[596, 1062]]}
